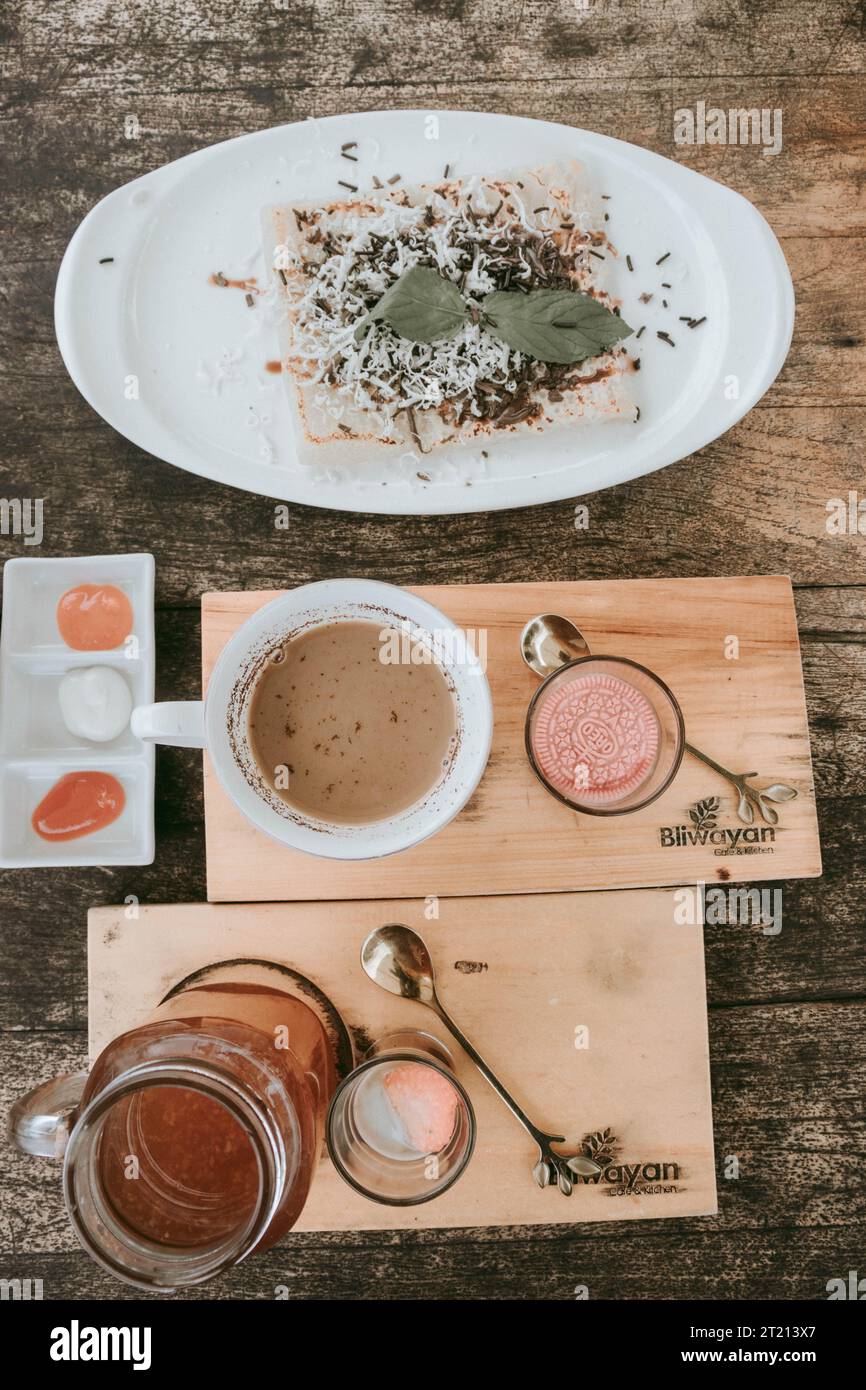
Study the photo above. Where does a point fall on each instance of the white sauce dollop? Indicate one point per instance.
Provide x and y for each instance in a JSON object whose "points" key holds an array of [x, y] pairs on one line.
{"points": [[95, 702]]}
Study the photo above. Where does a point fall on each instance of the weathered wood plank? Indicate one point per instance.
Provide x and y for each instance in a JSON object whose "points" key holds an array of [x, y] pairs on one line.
{"points": [[832, 613], [363, 42], [754, 501], [827, 361], [812, 188], [641, 1265]]}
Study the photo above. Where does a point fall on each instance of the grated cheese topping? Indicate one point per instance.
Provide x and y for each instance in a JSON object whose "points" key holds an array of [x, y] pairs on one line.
{"points": [[353, 254]]}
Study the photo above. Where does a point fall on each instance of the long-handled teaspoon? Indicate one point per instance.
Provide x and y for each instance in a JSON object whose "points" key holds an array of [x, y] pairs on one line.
{"points": [[549, 641], [396, 958]]}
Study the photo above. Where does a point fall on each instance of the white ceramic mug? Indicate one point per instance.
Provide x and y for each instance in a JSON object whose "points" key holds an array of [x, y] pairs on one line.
{"points": [[219, 722]]}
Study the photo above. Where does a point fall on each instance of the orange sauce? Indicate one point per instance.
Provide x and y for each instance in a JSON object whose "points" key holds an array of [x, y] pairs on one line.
{"points": [[79, 804], [94, 617]]}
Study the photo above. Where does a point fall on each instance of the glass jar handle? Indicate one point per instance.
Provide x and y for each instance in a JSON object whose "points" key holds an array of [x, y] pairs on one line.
{"points": [[40, 1122]]}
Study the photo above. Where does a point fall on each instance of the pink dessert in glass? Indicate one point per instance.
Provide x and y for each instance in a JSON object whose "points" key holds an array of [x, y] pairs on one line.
{"points": [[425, 1103], [595, 737]]}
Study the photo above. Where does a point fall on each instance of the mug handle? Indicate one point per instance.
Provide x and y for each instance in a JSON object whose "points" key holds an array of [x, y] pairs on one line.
{"points": [[40, 1122], [176, 722]]}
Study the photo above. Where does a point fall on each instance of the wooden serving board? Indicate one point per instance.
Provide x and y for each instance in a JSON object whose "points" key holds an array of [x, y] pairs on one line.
{"points": [[747, 710], [523, 976]]}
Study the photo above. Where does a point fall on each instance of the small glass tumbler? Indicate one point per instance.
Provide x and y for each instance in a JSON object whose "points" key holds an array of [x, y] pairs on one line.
{"points": [[401, 1128], [604, 735]]}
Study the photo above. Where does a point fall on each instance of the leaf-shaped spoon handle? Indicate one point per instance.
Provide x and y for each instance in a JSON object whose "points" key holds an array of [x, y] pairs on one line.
{"points": [[551, 1167], [750, 797]]}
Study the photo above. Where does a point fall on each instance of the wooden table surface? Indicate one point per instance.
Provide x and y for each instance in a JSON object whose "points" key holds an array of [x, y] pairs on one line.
{"points": [[787, 1013]]}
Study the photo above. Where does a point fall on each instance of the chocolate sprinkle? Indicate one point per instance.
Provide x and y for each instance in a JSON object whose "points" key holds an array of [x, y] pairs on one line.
{"points": [[661, 260], [666, 338]]}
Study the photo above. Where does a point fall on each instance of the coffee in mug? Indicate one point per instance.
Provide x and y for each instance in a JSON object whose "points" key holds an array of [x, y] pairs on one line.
{"points": [[346, 729]]}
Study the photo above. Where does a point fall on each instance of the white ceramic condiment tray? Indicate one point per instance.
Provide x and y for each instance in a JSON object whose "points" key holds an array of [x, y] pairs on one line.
{"points": [[36, 748]]}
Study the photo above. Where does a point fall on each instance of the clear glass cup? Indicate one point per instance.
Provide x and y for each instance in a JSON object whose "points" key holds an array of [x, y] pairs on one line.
{"points": [[401, 1128], [193, 1140], [604, 735]]}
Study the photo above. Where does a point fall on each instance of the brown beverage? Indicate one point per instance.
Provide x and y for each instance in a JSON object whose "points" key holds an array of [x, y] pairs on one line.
{"points": [[344, 732], [195, 1170]]}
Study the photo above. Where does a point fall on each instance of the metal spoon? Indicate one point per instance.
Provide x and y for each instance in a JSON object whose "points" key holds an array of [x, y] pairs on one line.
{"points": [[396, 958], [549, 641]]}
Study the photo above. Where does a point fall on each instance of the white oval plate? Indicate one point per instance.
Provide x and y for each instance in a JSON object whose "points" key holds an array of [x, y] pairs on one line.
{"points": [[178, 365]]}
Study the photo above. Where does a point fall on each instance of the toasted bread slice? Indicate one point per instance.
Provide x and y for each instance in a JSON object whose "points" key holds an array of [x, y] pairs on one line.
{"points": [[333, 260]]}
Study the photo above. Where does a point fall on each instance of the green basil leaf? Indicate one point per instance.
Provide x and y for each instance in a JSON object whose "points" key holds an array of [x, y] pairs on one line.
{"points": [[422, 306], [553, 325]]}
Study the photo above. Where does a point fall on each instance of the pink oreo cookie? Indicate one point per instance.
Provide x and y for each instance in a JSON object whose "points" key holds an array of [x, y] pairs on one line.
{"points": [[595, 738]]}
